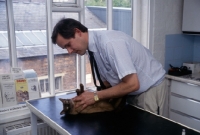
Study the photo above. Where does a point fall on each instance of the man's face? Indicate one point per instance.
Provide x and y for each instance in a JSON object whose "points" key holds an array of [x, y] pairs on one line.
{"points": [[73, 45]]}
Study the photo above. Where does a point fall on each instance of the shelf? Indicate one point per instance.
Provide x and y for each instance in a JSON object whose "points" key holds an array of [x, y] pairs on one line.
{"points": [[13, 113]]}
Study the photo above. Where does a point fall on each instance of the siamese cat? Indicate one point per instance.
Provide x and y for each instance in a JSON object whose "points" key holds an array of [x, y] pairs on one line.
{"points": [[100, 106]]}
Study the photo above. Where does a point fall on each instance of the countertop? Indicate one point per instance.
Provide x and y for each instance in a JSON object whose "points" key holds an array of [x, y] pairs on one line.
{"points": [[185, 80], [129, 121]]}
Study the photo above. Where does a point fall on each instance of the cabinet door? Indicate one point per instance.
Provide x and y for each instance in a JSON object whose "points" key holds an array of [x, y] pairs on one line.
{"points": [[185, 103], [186, 106], [191, 16], [186, 89], [188, 121]]}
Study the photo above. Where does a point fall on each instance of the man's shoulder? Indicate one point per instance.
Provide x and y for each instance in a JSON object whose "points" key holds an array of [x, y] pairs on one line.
{"points": [[99, 31]]}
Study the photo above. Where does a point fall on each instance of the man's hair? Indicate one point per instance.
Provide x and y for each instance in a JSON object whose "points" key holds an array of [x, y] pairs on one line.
{"points": [[66, 28]]}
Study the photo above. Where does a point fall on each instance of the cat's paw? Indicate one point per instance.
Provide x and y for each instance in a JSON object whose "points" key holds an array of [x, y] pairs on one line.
{"points": [[81, 90]]}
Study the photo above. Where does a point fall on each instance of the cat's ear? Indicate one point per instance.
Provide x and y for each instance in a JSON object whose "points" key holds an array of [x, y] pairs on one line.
{"points": [[62, 112], [62, 100]]}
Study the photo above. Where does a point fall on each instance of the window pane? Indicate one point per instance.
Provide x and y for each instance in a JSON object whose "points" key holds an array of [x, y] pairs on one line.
{"points": [[42, 85], [25, 41], [41, 36], [122, 16], [57, 83], [95, 18], [56, 16], [33, 38], [18, 43], [30, 21], [46, 86], [65, 63], [4, 50], [95, 14], [3, 41]]}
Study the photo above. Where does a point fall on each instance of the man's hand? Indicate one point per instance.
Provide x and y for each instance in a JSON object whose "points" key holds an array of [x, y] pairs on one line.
{"points": [[83, 100]]}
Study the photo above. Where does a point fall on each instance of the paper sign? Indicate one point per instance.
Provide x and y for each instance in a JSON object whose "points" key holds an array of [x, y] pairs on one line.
{"points": [[6, 77], [18, 76], [33, 88], [21, 87], [16, 70], [8, 93]]}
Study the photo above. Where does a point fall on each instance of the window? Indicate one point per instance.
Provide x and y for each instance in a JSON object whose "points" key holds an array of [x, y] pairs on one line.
{"points": [[44, 86], [122, 16], [31, 37], [31, 41], [95, 19], [95, 14], [63, 62]]}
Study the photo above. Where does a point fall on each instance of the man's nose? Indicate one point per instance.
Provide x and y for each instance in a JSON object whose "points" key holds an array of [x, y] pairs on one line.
{"points": [[69, 50]]}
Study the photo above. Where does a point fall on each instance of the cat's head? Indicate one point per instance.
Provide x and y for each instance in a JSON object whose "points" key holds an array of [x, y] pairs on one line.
{"points": [[67, 106]]}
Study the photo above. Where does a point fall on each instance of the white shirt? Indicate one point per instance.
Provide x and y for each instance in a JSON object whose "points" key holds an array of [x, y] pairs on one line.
{"points": [[118, 55]]}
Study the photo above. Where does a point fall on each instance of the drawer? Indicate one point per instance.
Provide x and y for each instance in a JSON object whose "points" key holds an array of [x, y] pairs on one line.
{"points": [[186, 89], [186, 106], [188, 121]]}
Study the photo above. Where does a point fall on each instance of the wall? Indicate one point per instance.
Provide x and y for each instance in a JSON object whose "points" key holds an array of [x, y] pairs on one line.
{"points": [[181, 48], [167, 19], [178, 49], [196, 57]]}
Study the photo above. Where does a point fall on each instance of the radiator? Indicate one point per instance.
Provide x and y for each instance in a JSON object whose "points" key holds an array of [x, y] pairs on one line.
{"points": [[25, 129]]}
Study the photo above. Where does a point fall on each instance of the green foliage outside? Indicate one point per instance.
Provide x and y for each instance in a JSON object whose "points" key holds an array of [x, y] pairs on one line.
{"points": [[116, 3]]}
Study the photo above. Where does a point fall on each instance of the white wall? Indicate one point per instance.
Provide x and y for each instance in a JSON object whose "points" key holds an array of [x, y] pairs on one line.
{"points": [[166, 18]]}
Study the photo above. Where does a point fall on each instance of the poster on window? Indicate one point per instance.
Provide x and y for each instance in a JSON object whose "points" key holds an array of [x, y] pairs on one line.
{"points": [[21, 88], [33, 88], [8, 93]]}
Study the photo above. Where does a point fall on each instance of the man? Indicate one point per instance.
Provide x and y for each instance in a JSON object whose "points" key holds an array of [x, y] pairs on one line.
{"points": [[125, 66]]}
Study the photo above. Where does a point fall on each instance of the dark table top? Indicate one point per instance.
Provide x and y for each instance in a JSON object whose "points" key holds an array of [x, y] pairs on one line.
{"points": [[129, 121]]}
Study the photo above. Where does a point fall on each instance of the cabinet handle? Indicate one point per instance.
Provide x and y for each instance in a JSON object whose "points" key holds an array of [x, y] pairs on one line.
{"points": [[192, 84], [185, 98]]}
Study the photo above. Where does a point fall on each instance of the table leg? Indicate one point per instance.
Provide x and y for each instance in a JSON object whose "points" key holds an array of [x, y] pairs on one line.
{"points": [[33, 124]]}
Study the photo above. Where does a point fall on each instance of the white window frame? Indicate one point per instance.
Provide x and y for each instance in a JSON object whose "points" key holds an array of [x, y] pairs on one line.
{"points": [[66, 4], [52, 8]]}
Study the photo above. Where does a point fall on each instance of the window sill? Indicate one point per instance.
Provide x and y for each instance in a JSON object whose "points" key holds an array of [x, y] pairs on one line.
{"points": [[45, 94]]}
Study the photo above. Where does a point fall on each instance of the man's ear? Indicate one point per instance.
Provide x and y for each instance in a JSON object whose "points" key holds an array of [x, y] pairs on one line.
{"points": [[77, 31]]}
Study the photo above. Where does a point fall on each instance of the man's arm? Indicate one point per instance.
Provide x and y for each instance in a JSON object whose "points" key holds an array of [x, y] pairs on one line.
{"points": [[128, 84], [107, 84]]}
